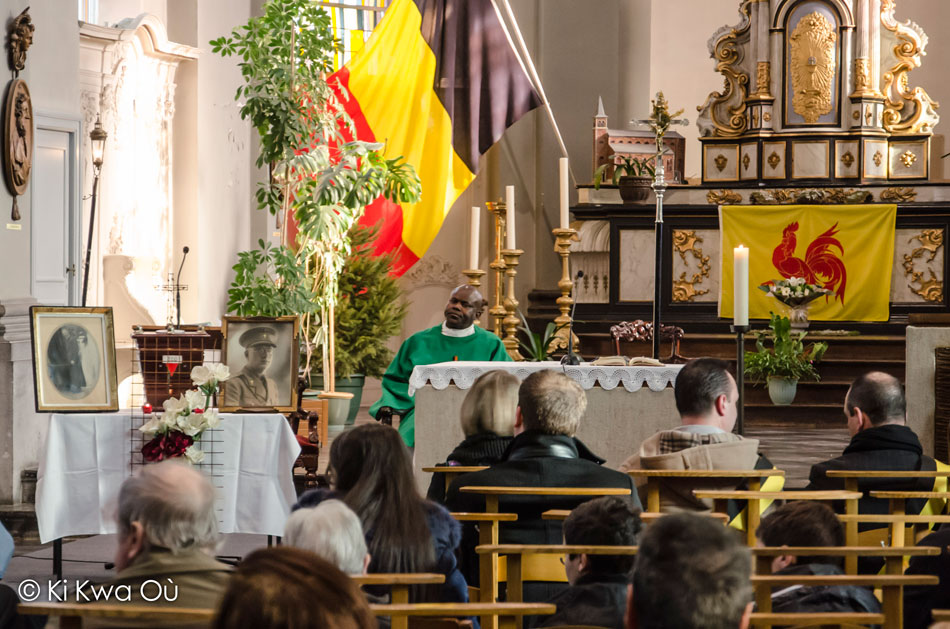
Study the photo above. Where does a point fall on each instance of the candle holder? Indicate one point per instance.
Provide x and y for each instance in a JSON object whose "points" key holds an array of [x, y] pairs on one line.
{"points": [[739, 331], [497, 310], [564, 336], [511, 304], [475, 281]]}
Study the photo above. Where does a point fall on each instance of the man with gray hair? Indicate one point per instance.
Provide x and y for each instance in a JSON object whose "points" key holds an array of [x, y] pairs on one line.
{"points": [[167, 533], [331, 530], [544, 453]]}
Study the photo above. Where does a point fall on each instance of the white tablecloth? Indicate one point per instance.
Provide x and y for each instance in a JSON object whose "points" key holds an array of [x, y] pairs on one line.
{"points": [[87, 457], [463, 374]]}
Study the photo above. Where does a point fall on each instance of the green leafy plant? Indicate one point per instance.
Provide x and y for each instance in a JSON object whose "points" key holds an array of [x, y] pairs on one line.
{"points": [[787, 358], [268, 282], [628, 167], [539, 347]]}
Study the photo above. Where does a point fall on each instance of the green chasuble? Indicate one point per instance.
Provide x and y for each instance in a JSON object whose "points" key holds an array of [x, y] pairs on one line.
{"points": [[427, 348]]}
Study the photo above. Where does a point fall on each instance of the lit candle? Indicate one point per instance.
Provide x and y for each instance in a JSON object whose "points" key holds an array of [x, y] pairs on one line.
{"points": [[740, 315], [473, 239], [510, 206], [565, 193]]}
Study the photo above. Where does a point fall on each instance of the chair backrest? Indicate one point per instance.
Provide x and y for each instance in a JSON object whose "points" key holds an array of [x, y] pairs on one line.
{"points": [[71, 615]]}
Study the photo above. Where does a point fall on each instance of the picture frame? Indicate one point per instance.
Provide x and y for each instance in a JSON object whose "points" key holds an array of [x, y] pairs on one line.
{"points": [[74, 369], [262, 380]]}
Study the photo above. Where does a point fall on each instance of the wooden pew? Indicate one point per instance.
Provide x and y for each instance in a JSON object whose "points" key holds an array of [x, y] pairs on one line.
{"points": [[893, 557], [754, 478], [941, 615], [897, 501], [892, 586], [71, 615], [451, 472], [755, 498], [399, 584], [646, 516], [506, 615], [830, 619]]}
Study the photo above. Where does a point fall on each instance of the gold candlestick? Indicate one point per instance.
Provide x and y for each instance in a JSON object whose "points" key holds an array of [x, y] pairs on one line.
{"points": [[497, 310], [475, 281], [562, 246], [511, 304]]}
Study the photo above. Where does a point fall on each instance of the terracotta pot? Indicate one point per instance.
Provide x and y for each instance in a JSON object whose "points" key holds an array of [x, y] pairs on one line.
{"points": [[782, 390], [635, 189]]}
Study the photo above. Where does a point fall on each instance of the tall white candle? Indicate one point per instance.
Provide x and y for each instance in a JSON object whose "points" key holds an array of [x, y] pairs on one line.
{"points": [[473, 239], [510, 208], [565, 193], [740, 273]]}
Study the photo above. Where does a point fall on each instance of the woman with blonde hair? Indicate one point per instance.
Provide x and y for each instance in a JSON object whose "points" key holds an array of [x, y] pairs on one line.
{"points": [[488, 419]]}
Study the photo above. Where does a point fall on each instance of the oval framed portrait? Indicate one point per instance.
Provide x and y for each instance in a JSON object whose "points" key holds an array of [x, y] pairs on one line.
{"points": [[17, 137]]}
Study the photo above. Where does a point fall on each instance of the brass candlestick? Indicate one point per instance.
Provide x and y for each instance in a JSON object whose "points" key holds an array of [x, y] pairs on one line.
{"points": [[562, 246], [475, 281], [511, 304], [497, 310]]}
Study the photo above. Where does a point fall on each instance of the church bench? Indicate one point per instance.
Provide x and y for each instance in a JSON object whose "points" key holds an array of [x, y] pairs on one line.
{"points": [[488, 572], [941, 615], [71, 615], [647, 517], [898, 501], [507, 615], [891, 585], [399, 583], [754, 499], [816, 619], [893, 557], [754, 478], [451, 472]]}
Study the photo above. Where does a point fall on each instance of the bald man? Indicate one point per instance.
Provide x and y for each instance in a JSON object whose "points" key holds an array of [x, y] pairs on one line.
{"points": [[456, 338]]}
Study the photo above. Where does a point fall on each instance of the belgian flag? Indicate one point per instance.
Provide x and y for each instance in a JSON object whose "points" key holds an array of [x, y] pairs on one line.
{"points": [[438, 82]]}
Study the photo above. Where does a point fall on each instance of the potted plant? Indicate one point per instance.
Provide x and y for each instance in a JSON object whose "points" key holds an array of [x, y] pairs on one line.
{"points": [[632, 175], [796, 294], [785, 363], [317, 177]]}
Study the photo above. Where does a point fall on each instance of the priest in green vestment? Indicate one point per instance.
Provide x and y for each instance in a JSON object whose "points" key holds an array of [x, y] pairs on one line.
{"points": [[457, 338]]}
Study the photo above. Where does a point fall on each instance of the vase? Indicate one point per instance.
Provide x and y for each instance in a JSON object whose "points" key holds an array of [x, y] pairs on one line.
{"points": [[339, 408], [353, 384], [798, 317], [782, 390], [634, 189]]}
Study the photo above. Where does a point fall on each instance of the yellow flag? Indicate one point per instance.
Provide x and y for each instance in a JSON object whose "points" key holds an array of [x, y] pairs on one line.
{"points": [[848, 249]]}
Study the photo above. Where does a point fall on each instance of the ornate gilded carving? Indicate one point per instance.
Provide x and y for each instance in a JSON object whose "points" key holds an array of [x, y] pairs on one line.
{"points": [[763, 79], [878, 158], [813, 64], [723, 113], [745, 161], [755, 119], [908, 158], [856, 114], [898, 195], [21, 38], [868, 115], [766, 116], [862, 78], [723, 197], [774, 159], [930, 242], [721, 162], [810, 195], [685, 241], [906, 110], [847, 159]]}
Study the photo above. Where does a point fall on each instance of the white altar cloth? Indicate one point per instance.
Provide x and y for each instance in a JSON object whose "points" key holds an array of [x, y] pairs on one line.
{"points": [[87, 457], [463, 374]]}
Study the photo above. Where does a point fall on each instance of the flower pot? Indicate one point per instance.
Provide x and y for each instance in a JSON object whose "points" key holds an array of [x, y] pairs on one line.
{"points": [[635, 189], [782, 390], [798, 316], [354, 385], [339, 409]]}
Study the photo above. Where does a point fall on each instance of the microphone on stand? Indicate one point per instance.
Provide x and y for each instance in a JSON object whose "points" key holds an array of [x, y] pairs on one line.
{"points": [[184, 252], [570, 358]]}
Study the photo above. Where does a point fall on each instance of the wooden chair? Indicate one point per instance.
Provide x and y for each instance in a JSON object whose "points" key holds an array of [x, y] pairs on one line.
{"points": [[755, 498], [897, 501], [891, 585], [654, 478], [647, 517], [309, 423], [824, 619], [502, 614], [399, 584], [941, 615], [893, 557], [71, 615], [451, 472]]}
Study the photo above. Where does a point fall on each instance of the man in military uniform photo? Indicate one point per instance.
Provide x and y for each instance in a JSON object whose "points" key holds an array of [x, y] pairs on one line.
{"points": [[251, 388]]}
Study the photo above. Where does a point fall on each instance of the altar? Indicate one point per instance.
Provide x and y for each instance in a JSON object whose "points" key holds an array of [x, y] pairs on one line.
{"points": [[625, 405]]}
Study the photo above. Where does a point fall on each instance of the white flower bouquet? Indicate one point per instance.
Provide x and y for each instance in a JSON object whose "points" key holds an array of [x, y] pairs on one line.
{"points": [[794, 292]]}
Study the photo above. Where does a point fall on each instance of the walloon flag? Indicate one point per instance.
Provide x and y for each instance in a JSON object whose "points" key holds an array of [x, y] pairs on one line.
{"points": [[438, 82]]}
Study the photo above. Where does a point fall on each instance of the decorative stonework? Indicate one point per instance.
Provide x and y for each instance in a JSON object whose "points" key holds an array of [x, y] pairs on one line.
{"points": [[930, 290], [433, 270], [908, 158], [687, 242], [745, 161], [898, 195], [721, 162], [847, 159], [810, 195], [878, 158], [813, 64], [862, 78], [723, 197], [906, 110], [723, 113], [763, 79], [774, 160]]}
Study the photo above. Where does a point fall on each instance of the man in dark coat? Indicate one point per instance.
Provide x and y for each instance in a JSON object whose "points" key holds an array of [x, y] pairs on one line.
{"points": [[597, 596], [880, 440], [544, 453], [921, 600]]}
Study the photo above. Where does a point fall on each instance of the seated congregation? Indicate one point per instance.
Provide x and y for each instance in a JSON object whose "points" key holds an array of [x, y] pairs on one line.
{"points": [[545, 521]]}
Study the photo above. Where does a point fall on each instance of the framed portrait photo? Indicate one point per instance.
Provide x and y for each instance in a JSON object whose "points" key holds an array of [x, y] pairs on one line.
{"points": [[73, 359], [262, 355]]}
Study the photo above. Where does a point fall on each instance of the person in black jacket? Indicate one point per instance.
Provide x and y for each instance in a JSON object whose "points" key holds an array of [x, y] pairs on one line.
{"points": [[597, 596], [544, 453], [921, 600], [809, 523], [488, 420], [880, 440]]}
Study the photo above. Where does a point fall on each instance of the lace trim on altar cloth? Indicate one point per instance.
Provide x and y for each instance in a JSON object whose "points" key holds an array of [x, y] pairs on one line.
{"points": [[463, 374]]}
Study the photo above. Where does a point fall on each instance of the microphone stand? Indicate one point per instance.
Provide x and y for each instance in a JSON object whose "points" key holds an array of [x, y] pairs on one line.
{"points": [[570, 358], [178, 287]]}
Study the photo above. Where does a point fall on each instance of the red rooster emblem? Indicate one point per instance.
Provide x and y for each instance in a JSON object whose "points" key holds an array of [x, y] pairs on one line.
{"points": [[821, 265]]}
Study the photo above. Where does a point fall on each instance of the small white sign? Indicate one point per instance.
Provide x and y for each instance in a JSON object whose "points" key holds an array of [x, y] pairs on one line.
{"points": [[171, 358], [14, 227]]}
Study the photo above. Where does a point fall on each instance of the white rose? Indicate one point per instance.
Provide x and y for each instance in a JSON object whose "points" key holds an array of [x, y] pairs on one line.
{"points": [[195, 399], [175, 406], [191, 424], [786, 291], [212, 419], [151, 427], [194, 455], [200, 375], [220, 372]]}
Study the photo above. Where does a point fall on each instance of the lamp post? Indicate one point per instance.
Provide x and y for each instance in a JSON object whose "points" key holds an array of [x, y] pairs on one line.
{"points": [[98, 137]]}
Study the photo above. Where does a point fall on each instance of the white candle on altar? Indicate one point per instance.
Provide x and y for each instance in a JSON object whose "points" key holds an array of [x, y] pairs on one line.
{"points": [[510, 213], [473, 239], [740, 272], [565, 193]]}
